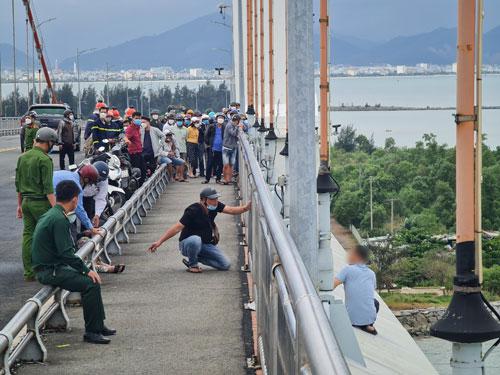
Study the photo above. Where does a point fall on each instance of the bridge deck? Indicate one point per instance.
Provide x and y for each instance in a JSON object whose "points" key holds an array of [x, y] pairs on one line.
{"points": [[168, 321]]}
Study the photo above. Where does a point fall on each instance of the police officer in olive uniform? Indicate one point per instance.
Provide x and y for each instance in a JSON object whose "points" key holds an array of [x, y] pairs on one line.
{"points": [[31, 126], [35, 193], [55, 261]]}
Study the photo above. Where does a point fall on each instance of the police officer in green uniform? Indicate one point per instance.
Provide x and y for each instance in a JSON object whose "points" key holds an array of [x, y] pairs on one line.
{"points": [[31, 126], [55, 261], [35, 193]]}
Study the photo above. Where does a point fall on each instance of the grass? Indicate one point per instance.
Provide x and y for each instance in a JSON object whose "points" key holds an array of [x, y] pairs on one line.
{"points": [[398, 301]]}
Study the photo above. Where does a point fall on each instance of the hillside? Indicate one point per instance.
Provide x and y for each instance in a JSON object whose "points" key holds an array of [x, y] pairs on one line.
{"points": [[6, 55], [203, 43], [194, 44]]}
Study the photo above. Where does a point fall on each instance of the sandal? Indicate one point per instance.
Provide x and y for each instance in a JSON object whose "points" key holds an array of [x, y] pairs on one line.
{"points": [[118, 268], [185, 262], [196, 269], [368, 329]]}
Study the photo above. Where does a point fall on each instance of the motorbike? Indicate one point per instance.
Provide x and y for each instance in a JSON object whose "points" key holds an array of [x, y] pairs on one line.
{"points": [[130, 176], [116, 194]]}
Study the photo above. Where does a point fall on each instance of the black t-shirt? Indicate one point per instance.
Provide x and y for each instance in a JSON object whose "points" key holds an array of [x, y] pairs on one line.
{"points": [[198, 223]]}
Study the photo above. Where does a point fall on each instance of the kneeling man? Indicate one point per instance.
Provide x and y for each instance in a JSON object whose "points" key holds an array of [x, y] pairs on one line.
{"points": [[199, 237], [55, 262]]}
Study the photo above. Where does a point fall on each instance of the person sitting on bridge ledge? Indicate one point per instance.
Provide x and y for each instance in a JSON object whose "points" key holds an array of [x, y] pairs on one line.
{"points": [[55, 262], [199, 237], [359, 286]]}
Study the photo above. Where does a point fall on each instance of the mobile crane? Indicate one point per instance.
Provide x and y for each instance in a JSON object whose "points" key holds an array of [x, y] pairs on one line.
{"points": [[39, 50]]}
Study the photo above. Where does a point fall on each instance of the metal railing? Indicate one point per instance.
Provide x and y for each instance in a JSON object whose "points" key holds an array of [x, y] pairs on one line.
{"points": [[9, 126], [20, 339], [295, 336]]}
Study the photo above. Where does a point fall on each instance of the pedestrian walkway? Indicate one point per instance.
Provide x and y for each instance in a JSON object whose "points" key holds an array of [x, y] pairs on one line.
{"points": [[168, 321]]}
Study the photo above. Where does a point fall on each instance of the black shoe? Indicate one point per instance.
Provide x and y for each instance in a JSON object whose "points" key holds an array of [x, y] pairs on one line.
{"points": [[95, 338], [205, 182], [108, 331]]}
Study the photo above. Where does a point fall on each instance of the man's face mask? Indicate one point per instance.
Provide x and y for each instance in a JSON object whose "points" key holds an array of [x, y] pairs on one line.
{"points": [[171, 122], [102, 115], [188, 122], [205, 122], [180, 123], [71, 216], [137, 122]]}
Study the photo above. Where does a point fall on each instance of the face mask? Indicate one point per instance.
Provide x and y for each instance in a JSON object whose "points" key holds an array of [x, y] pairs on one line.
{"points": [[197, 125], [171, 122], [205, 122], [71, 216], [179, 123], [27, 121], [155, 117], [137, 122], [102, 116], [71, 117], [188, 122], [211, 208], [220, 120]]}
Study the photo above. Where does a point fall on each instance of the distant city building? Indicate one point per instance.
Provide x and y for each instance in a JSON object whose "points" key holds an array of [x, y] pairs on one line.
{"points": [[195, 72], [401, 69]]}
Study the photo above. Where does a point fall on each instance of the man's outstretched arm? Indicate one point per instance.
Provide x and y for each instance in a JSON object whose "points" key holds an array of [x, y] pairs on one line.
{"points": [[237, 210], [169, 233]]}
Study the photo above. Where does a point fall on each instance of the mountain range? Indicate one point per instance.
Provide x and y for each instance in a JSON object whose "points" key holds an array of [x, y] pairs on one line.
{"points": [[6, 56], [205, 43]]}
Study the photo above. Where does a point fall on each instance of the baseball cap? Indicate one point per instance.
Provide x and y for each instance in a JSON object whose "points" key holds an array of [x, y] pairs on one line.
{"points": [[209, 193]]}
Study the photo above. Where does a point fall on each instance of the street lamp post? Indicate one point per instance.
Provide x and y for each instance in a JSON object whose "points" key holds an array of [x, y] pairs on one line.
{"points": [[78, 53]]}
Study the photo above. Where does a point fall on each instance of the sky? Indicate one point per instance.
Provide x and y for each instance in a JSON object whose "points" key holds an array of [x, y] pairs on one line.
{"points": [[101, 23]]}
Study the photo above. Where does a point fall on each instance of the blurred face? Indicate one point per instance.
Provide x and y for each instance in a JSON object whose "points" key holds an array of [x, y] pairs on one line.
{"points": [[103, 114], [146, 124], [353, 257], [155, 116]]}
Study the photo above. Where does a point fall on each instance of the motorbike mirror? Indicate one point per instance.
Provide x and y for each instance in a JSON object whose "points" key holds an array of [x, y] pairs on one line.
{"points": [[101, 149]]}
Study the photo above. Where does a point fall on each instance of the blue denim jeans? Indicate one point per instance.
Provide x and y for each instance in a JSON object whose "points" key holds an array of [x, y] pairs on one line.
{"points": [[208, 254], [228, 156]]}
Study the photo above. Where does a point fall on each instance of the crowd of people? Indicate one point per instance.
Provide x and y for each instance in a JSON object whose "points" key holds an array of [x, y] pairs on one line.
{"points": [[192, 144]]}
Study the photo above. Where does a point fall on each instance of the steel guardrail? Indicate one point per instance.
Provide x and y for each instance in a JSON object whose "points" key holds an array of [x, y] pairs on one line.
{"points": [[294, 331], [21, 339], [9, 126]]}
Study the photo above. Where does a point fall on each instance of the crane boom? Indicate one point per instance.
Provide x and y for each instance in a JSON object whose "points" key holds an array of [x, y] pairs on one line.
{"points": [[39, 51]]}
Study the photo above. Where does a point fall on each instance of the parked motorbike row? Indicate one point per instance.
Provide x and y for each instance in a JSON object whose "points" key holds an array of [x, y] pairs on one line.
{"points": [[123, 179]]}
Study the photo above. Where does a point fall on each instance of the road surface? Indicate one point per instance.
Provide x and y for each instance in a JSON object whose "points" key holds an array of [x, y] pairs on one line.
{"points": [[14, 291]]}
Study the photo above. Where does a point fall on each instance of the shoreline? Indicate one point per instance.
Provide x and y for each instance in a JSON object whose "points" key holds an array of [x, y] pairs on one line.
{"points": [[417, 322]]}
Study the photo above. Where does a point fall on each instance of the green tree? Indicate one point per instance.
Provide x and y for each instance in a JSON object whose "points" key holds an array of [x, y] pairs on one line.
{"points": [[346, 139]]}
